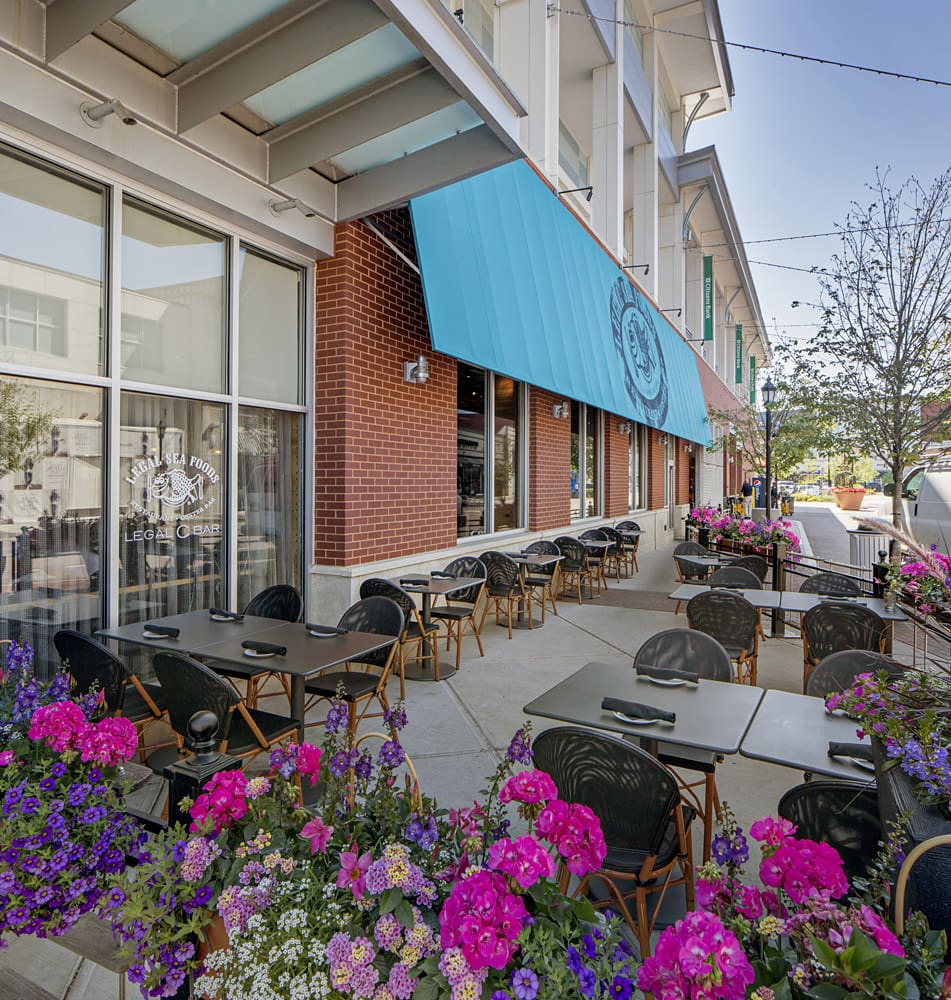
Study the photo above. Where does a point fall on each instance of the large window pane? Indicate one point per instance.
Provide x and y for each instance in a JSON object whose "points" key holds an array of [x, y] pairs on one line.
{"points": [[52, 244], [51, 447], [577, 456], [508, 513], [269, 325], [269, 509], [173, 302], [592, 504], [470, 461], [171, 505]]}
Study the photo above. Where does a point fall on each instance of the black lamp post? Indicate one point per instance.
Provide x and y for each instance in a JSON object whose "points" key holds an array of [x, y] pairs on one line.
{"points": [[769, 397]]}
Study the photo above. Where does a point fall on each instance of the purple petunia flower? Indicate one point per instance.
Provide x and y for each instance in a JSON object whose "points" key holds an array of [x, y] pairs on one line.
{"points": [[524, 984], [392, 754]]}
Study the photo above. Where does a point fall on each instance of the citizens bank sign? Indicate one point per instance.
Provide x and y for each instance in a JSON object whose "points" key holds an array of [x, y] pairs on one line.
{"points": [[176, 483]]}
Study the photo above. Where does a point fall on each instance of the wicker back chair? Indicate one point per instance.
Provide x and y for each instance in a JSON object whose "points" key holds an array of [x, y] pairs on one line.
{"points": [[544, 579], [630, 544], [596, 559], [615, 554], [461, 611], [838, 671], [504, 586], [734, 623], [833, 627], [735, 577], [574, 569], [424, 640], [691, 549], [281, 602], [755, 564], [380, 616], [830, 585], [649, 849], [190, 687], [843, 814]]}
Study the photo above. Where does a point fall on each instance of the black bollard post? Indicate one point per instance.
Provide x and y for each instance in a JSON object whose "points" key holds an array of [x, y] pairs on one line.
{"points": [[186, 777]]}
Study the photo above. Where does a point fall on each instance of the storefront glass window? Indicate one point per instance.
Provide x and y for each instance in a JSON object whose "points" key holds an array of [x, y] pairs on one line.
{"points": [[173, 301], [269, 328], [577, 457], [636, 478], [508, 512], [470, 451], [51, 448], [172, 509], [592, 506], [585, 470], [269, 507], [51, 268]]}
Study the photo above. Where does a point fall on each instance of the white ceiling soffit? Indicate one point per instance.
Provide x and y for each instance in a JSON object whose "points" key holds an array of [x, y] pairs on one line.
{"points": [[343, 88]]}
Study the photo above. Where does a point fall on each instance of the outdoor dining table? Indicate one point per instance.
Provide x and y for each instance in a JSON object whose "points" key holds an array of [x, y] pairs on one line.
{"points": [[429, 587], [762, 599], [710, 715], [794, 730], [203, 638], [529, 560]]}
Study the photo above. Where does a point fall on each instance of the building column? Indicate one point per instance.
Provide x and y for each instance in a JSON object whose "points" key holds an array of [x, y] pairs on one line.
{"points": [[607, 153]]}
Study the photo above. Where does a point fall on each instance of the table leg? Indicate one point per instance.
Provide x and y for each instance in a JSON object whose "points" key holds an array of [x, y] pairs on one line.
{"points": [[297, 702], [421, 672]]}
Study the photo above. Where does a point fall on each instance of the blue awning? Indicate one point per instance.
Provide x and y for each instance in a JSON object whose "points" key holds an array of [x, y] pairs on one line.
{"points": [[513, 282]]}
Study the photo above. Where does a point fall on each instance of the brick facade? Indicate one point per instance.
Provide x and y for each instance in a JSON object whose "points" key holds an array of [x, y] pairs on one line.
{"points": [[617, 462], [655, 470], [549, 459]]}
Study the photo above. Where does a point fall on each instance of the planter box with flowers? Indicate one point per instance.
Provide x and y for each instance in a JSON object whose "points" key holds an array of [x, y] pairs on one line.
{"points": [[848, 497]]}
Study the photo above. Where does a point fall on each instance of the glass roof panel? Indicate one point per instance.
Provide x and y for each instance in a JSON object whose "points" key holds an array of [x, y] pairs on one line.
{"points": [[417, 135], [359, 63], [186, 28]]}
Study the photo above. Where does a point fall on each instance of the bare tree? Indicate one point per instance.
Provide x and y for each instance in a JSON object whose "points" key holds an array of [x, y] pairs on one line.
{"points": [[880, 364]]}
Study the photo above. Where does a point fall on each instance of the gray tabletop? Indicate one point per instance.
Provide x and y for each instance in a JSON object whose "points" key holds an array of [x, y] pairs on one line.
{"points": [[795, 730], [758, 598], [196, 629], [798, 601], [710, 715], [595, 544], [533, 558], [439, 584]]}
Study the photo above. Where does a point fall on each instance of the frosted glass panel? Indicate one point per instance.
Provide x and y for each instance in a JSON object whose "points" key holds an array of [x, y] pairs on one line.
{"points": [[269, 323], [173, 302]]}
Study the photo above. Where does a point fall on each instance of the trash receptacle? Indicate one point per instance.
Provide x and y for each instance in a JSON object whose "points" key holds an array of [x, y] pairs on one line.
{"points": [[864, 547]]}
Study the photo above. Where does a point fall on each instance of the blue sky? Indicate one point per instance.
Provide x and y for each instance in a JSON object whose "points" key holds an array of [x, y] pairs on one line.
{"points": [[802, 139]]}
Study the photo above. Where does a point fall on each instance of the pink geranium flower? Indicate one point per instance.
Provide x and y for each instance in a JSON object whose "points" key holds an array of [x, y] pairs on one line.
{"points": [[308, 761], [318, 833], [524, 860], [530, 786], [772, 832], [353, 871]]}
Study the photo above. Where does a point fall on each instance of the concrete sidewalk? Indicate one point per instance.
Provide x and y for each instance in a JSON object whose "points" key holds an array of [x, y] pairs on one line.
{"points": [[460, 726]]}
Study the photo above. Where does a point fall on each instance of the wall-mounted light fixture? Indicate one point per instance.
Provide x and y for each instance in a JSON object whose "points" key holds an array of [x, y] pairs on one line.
{"points": [[416, 371], [630, 267], [587, 187], [688, 447], [662, 439], [675, 309], [624, 428], [277, 207], [562, 410], [92, 114]]}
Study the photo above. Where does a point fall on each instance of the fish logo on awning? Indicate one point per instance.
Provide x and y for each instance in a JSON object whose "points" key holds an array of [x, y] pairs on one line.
{"points": [[638, 344]]}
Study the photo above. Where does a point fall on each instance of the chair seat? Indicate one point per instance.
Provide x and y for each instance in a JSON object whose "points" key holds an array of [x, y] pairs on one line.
{"points": [[623, 859], [354, 684], [735, 651], [134, 707], [238, 670], [454, 612], [413, 631], [273, 727], [538, 581], [687, 757], [496, 591]]}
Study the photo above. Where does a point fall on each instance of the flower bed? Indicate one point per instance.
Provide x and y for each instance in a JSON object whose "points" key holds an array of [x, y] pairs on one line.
{"points": [[754, 534]]}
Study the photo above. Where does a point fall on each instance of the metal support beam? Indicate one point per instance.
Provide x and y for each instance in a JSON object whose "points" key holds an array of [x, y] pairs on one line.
{"points": [[729, 302], [68, 21], [375, 114], [686, 226], [249, 63], [451, 160], [704, 97]]}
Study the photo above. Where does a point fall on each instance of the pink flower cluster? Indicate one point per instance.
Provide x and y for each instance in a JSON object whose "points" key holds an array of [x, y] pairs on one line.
{"points": [[832, 924], [531, 787], [697, 958], [703, 516], [801, 868], [483, 919], [223, 799], [523, 859], [575, 832], [64, 728]]}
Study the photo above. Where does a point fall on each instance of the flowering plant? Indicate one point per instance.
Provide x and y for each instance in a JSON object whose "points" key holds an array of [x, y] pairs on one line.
{"points": [[848, 489], [800, 936], [926, 580], [702, 517], [64, 829], [757, 534]]}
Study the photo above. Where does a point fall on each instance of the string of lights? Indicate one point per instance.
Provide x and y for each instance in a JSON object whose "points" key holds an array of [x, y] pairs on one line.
{"points": [[835, 232], [553, 9]]}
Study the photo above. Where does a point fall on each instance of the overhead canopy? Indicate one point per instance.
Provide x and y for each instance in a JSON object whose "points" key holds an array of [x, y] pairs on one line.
{"points": [[513, 282]]}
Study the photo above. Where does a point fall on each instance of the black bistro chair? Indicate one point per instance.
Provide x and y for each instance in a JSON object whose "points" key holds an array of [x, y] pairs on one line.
{"points": [[504, 586], [616, 559], [755, 564], [830, 585], [599, 560], [686, 649], [381, 616], [843, 814], [735, 578], [191, 687], [574, 569], [630, 546], [836, 626], [838, 671], [734, 623], [645, 823], [425, 641], [93, 665], [544, 579], [460, 612]]}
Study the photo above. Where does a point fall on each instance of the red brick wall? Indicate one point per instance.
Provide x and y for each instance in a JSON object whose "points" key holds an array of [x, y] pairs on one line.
{"points": [[549, 463], [385, 450], [682, 473], [617, 462], [655, 470]]}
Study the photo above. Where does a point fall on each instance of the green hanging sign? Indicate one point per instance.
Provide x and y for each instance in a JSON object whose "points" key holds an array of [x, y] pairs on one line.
{"points": [[739, 353], [708, 298], [752, 381]]}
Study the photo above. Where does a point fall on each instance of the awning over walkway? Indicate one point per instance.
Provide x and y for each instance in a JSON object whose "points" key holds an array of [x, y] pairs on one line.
{"points": [[513, 282]]}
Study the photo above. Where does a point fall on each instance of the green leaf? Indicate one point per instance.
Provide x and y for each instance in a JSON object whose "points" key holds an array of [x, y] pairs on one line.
{"points": [[824, 953], [827, 991], [390, 900], [426, 989], [404, 913]]}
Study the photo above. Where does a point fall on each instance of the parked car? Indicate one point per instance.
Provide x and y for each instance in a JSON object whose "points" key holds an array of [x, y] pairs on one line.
{"points": [[926, 504]]}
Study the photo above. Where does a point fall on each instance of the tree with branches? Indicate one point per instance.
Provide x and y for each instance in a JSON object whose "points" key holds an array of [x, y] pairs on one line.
{"points": [[24, 425], [880, 364]]}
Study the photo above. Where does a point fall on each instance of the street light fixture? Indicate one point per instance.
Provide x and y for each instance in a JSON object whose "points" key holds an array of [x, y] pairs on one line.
{"points": [[769, 397]]}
